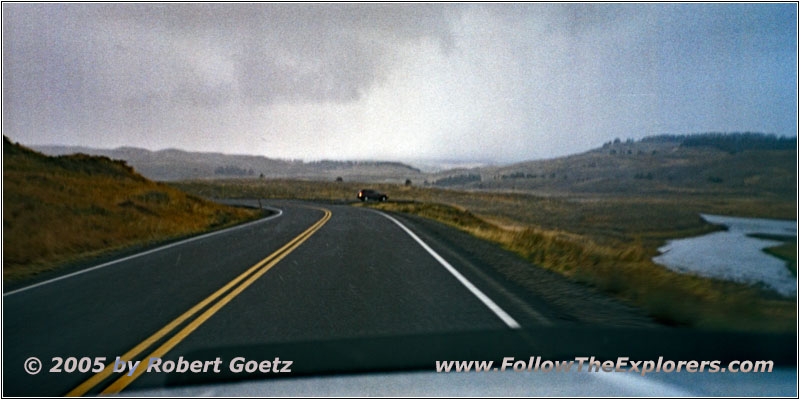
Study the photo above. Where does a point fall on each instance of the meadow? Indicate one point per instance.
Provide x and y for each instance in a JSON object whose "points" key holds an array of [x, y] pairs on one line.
{"points": [[600, 240]]}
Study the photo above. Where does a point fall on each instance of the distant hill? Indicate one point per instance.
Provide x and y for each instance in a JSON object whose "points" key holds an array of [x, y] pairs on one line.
{"points": [[172, 165], [742, 163], [67, 208], [737, 163]]}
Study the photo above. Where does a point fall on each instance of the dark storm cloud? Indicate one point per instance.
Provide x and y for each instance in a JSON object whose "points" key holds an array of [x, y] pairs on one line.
{"points": [[197, 52], [473, 81]]}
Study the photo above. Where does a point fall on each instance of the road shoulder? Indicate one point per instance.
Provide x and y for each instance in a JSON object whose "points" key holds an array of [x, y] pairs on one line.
{"points": [[113, 256], [548, 293]]}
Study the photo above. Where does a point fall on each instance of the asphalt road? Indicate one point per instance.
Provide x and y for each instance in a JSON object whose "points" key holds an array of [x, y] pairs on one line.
{"points": [[335, 272]]}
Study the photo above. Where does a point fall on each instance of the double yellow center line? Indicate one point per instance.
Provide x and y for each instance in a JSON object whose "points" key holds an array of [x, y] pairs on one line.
{"points": [[243, 281]]}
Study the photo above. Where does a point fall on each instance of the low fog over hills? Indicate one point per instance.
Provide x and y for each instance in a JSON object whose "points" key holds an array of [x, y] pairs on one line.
{"points": [[734, 163]]}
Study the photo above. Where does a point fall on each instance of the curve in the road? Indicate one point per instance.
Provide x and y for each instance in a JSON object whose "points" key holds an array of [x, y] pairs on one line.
{"points": [[362, 276], [254, 272]]}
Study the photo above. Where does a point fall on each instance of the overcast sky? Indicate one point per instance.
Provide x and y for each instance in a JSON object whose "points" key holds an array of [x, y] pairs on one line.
{"points": [[473, 82]]}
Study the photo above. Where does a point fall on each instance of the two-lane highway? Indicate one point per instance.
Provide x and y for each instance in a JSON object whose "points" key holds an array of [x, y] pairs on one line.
{"points": [[316, 272]]}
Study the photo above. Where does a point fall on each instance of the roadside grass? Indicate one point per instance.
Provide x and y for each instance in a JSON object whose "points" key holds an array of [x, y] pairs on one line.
{"points": [[60, 210], [625, 272]]}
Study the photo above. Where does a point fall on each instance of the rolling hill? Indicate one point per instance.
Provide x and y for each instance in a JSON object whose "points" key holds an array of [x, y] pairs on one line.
{"points": [[58, 210], [740, 164], [172, 165], [735, 164]]}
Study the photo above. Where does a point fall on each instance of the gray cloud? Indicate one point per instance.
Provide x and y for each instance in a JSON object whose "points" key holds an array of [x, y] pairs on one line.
{"points": [[474, 81], [197, 52]]}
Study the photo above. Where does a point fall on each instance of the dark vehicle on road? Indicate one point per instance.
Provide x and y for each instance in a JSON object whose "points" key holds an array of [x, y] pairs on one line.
{"points": [[369, 194]]}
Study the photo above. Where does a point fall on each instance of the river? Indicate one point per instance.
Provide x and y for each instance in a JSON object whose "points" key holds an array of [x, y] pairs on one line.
{"points": [[734, 254]]}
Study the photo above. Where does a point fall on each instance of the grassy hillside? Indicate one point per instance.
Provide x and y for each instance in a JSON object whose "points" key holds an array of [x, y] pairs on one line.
{"points": [[726, 164], [734, 164], [62, 209], [600, 240], [173, 164]]}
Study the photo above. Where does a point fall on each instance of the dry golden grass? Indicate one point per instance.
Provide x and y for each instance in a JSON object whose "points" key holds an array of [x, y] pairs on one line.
{"points": [[63, 209], [601, 240], [627, 272]]}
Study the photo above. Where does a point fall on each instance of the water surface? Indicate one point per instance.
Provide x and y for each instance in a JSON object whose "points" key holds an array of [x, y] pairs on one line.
{"points": [[732, 254]]}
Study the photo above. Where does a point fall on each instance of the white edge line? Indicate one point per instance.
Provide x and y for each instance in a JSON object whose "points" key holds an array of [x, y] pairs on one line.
{"points": [[132, 256], [513, 324]]}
